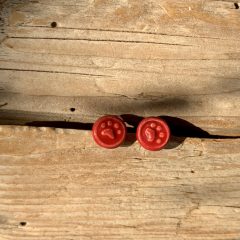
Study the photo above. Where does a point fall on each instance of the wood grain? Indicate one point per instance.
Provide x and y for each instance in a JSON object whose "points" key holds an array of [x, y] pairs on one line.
{"points": [[57, 184], [153, 57]]}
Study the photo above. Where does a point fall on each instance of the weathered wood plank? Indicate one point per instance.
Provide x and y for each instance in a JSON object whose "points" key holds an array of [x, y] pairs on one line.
{"points": [[63, 186], [155, 57]]}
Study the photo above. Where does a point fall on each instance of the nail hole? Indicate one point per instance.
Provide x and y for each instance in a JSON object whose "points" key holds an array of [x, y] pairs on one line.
{"points": [[236, 5], [53, 24], [22, 224], [192, 171], [72, 109]]}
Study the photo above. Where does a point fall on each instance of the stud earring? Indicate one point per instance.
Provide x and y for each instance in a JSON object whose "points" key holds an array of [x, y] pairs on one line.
{"points": [[153, 133], [109, 131]]}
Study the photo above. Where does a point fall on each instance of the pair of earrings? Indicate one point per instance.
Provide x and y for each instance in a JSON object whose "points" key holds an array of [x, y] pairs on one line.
{"points": [[110, 131]]}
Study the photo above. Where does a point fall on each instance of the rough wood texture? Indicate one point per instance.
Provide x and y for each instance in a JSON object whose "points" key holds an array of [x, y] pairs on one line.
{"points": [[56, 184], [153, 57]]}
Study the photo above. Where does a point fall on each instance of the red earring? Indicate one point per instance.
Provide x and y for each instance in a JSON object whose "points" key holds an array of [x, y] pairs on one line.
{"points": [[153, 133], [109, 131]]}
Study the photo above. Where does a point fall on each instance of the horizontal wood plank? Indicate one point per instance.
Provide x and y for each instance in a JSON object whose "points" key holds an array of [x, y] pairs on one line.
{"points": [[57, 184], [177, 58]]}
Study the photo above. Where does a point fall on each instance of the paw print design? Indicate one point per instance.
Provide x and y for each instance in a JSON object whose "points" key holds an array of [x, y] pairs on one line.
{"points": [[109, 131], [153, 133]]}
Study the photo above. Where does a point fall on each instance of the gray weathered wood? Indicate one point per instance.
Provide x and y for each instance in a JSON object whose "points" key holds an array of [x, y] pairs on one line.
{"points": [[65, 187], [154, 57]]}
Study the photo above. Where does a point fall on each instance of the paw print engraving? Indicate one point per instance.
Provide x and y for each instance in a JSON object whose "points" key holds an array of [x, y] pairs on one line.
{"points": [[153, 133], [109, 131]]}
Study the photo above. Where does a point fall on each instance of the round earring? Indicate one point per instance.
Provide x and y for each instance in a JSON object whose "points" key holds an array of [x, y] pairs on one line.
{"points": [[153, 133], [109, 131]]}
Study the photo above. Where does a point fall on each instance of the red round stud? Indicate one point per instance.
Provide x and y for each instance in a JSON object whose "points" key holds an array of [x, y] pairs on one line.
{"points": [[109, 131], [153, 133]]}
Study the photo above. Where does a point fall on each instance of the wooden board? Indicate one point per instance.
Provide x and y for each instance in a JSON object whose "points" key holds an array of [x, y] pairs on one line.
{"points": [[153, 57], [57, 184]]}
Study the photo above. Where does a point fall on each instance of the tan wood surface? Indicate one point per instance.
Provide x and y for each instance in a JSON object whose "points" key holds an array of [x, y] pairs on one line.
{"points": [[57, 184], [154, 57]]}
